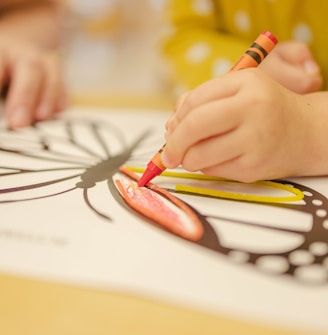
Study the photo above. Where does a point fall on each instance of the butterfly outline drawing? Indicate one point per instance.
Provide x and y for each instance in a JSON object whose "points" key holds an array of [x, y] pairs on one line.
{"points": [[89, 165]]}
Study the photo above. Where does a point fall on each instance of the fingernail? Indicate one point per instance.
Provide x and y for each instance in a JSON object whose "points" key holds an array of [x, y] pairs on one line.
{"points": [[311, 67], [19, 118]]}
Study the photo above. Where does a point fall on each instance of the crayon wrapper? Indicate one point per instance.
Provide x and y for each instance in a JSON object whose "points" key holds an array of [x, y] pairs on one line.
{"points": [[157, 161]]}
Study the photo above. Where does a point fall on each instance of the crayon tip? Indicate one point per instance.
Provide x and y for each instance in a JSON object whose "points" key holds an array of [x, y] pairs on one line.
{"points": [[271, 36], [150, 173], [146, 178]]}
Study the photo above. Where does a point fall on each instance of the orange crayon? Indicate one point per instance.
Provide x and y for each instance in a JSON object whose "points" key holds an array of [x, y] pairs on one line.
{"points": [[256, 53], [252, 57]]}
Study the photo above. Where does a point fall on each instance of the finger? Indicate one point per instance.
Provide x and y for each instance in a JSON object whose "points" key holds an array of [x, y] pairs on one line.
{"points": [[52, 95], [306, 80], [238, 168], [233, 170], [3, 73], [24, 92], [63, 100], [298, 53], [204, 122], [177, 107], [213, 151], [218, 88], [242, 157]]}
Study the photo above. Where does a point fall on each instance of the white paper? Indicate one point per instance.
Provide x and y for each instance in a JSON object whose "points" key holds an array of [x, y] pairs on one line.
{"points": [[57, 236]]}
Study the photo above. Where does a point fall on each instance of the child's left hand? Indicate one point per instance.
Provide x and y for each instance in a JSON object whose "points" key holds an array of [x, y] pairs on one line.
{"points": [[292, 64], [36, 88]]}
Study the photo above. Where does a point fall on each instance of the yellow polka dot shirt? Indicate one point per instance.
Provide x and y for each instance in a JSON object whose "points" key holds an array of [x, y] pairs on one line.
{"points": [[208, 36]]}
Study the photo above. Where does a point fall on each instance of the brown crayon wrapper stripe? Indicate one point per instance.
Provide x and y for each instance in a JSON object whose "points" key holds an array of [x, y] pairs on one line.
{"points": [[256, 53]]}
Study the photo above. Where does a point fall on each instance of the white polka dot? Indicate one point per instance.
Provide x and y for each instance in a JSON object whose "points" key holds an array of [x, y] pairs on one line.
{"points": [[221, 66], [273, 264], [242, 21], [301, 257], [302, 32], [319, 248], [321, 213], [313, 273], [317, 202], [325, 224], [198, 52], [202, 7]]}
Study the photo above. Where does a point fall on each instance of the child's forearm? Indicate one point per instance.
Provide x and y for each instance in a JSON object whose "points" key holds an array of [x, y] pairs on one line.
{"points": [[38, 22]]}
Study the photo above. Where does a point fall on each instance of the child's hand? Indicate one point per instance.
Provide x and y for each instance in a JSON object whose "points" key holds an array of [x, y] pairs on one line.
{"points": [[36, 89], [292, 64], [242, 126]]}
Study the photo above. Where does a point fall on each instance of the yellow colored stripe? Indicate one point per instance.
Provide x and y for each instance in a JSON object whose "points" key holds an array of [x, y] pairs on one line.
{"points": [[296, 194]]}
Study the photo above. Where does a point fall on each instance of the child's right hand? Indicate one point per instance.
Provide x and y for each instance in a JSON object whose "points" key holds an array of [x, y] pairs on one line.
{"points": [[247, 127], [292, 65]]}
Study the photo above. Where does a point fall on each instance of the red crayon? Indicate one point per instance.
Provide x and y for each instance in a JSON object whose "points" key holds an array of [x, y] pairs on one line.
{"points": [[154, 168], [252, 57]]}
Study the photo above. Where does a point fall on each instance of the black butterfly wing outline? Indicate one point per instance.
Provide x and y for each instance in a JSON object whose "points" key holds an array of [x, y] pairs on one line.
{"points": [[24, 150], [70, 154], [289, 238], [298, 249]]}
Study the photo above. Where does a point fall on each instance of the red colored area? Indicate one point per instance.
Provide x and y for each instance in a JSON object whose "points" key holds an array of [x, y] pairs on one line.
{"points": [[160, 206]]}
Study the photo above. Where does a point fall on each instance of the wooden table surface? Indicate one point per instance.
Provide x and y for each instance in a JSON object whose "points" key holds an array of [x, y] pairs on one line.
{"points": [[33, 307]]}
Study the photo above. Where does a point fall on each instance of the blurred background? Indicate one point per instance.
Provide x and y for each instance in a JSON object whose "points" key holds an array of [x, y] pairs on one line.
{"points": [[111, 53]]}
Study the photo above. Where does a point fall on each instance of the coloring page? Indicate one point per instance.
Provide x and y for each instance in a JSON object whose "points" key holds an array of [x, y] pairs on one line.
{"points": [[71, 212]]}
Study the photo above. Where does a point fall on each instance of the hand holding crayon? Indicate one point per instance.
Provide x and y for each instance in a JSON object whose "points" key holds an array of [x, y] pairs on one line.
{"points": [[252, 57]]}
